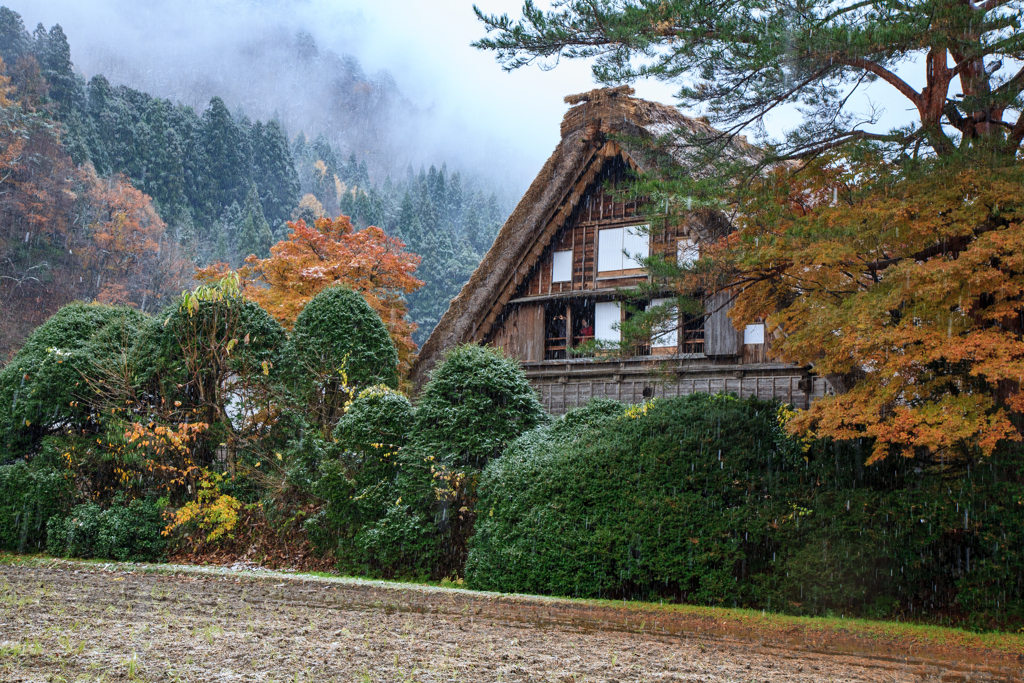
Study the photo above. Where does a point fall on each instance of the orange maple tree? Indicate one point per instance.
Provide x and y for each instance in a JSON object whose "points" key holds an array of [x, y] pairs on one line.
{"points": [[67, 234], [902, 284], [128, 251], [326, 254]]}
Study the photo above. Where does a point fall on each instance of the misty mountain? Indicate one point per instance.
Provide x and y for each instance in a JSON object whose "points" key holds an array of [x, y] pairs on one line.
{"points": [[226, 184]]}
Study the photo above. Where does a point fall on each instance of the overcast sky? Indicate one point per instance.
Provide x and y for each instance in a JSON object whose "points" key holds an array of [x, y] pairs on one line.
{"points": [[425, 44]]}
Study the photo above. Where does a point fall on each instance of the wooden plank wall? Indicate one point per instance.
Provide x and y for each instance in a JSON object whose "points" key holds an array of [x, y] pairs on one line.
{"points": [[558, 397], [521, 334], [720, 337], [597, 209]]}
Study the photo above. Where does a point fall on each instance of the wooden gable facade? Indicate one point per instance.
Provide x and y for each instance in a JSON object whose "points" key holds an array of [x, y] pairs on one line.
{"points": [[571, 293], [553, 281]]}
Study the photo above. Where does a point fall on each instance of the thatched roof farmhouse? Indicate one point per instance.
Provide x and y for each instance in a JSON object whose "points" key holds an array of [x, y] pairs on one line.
{"points": [[551, 280]]}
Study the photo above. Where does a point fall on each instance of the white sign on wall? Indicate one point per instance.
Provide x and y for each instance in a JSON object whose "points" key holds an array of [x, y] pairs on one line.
{"points": [[754, 334]]}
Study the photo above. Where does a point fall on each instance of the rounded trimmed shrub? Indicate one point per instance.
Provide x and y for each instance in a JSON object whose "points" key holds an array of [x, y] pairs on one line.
{"points": [[338, 331], [42, 388], [378, 419], [476, 403], [356, 484], [658, 500]]}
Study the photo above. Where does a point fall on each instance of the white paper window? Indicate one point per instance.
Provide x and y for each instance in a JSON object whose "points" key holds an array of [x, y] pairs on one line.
{"points": [[606, 320], [687, 252], [665, 334], [561, 266], [609, 250], [754, 334], [612, 242], [636, 247]]}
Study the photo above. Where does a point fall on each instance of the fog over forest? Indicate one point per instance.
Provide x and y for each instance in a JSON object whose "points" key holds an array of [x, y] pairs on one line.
{"points": [[318, 67]]}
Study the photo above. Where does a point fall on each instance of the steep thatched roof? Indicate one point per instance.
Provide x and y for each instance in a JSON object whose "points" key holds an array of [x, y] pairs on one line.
{"points": [[586, 128]]}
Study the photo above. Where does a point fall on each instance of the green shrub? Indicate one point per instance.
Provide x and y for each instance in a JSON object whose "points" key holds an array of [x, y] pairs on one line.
{"points": [[476, 403], [338, 330], [212, 355], [704, 499], [75, 535], [30, 494], [42, 389], [378, 420], [356, 481], [613, 503], [186, 347], [338, 347], [127, 533]]}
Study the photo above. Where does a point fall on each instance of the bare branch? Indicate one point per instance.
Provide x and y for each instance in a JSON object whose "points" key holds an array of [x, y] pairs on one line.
{"points": [[886, 75]]}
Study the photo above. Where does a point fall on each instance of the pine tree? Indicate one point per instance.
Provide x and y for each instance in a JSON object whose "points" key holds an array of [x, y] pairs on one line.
{"points": [[409, 228], [54, 56], [322, 150], [738, 62], [254, 235], [221, 253], [228, 156], [230, 226], [471, 228], [912, 312], [97, 102], [198, 193], [455, 200], [15, 41], [274, 172]]}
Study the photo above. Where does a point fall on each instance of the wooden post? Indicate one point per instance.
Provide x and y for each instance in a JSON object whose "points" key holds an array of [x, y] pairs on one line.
{"points": [[568, 331]]}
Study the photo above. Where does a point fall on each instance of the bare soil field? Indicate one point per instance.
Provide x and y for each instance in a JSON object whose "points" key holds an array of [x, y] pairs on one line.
{"points": [[64, 621]]}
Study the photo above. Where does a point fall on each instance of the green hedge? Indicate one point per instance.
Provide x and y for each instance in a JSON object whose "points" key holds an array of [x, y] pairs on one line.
{"points": [[338, 329], [42, 390], [400, 490], [476, 402], [30, 494], [127, 533], [703, 499]]}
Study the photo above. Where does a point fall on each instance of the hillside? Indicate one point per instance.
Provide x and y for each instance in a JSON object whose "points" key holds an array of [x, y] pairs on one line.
{"points": [[221, 185]]}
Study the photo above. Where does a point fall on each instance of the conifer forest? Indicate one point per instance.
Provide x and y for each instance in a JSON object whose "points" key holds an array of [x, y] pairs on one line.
{"points": [[302, 379]]}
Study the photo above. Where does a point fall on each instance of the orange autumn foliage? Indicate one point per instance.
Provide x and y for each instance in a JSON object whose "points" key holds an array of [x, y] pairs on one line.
{"points": [[902, 286], [328, 254], [66, 234], [129, 252]]}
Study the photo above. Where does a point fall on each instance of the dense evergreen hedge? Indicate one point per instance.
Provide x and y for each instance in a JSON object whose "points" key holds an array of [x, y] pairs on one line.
{"points": [[127, 532], [338, 330], [476, 402], [30, 494], [703, 499], [356, 482], [42, 389], [400, 492]]}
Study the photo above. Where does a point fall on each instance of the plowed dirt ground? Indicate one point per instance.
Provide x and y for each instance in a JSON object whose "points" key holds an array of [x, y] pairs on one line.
{"points": [[62, 621]]}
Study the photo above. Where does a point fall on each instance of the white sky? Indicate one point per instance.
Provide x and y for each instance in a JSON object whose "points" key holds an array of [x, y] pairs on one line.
{"points": [[425, 44]]}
